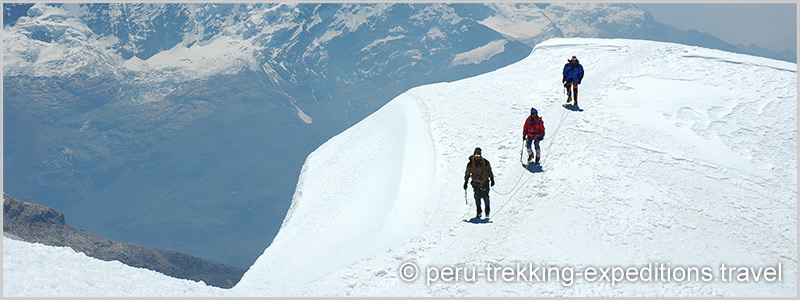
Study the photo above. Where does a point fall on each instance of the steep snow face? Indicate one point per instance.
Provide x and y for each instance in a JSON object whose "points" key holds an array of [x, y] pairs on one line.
{"points": [[361, 192], [682, 155]]}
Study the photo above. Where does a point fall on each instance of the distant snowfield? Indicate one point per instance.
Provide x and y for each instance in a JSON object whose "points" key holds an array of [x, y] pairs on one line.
{"points": [[222, 55], [516, 22], [482, 53], [683, 156]]}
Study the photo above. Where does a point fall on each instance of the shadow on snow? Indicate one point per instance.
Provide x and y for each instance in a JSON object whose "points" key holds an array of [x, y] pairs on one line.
{"points": [[572, 107], [533, 168], [478, 221]]}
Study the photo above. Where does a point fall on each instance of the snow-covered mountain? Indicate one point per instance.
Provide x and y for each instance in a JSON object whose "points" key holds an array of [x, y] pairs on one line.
{"points": [[682, 156], [185, 126], [536, 22], [182, 120]]}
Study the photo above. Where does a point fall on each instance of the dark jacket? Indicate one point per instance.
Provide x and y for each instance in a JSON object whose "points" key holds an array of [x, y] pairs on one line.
{"points": [[574, 72], [481, 171]]}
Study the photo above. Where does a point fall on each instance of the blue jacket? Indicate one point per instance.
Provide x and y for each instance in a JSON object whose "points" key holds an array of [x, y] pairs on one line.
{"points": [[574, 72]]}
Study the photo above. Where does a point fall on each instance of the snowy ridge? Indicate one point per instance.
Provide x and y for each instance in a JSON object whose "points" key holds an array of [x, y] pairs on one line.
{"points": [[654, 170], [381, 168], [682, 155]]}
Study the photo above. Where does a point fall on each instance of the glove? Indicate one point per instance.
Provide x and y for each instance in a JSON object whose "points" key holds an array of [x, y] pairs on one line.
{"points": [[524, 137], [491, 183], [540, 138], [465, 185]]}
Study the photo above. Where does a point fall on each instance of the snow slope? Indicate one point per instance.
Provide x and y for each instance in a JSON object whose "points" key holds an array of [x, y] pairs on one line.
{"points": [[357, 196], [33, 269], [683, 156]]}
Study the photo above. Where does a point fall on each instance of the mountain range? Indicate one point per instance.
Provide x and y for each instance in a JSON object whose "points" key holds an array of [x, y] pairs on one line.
{"points": [[663, 171], [184, 126]]}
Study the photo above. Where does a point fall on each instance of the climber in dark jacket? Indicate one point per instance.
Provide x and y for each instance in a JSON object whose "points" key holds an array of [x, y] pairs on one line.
{"points": [[482, 179]]}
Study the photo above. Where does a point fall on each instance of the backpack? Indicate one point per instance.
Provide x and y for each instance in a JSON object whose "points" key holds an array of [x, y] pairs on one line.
{"points": [[484, 174]]}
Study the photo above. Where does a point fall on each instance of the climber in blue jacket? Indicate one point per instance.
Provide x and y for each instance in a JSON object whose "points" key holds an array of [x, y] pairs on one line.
{"points": [[573, 74]]}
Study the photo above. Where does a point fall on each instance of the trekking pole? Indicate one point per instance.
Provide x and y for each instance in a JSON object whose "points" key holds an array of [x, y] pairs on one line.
{"points": [[466, 202], [521, 155]]}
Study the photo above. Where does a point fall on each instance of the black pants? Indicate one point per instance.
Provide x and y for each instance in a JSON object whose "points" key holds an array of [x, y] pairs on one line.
{"points": [[481, 192]]}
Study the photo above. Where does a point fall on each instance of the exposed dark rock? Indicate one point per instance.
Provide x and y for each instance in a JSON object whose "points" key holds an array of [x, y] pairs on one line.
{"points": [[40, 224]]}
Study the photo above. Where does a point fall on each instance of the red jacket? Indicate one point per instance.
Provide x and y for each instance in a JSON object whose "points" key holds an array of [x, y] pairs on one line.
{"points": [[534, 127]]}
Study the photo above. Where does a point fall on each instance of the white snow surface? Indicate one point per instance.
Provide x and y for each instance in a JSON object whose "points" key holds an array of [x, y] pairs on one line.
{"points": [[683, 156], [517, 21], [33, 269], [528, 22], [222, 55], [482, 53]]}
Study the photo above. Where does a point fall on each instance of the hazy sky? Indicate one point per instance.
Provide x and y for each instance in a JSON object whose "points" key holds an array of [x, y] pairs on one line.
{"points": [[769, 25]]}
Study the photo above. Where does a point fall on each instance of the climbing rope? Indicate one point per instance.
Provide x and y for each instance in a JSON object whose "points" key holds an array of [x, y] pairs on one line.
{"points": [[555, 132], [564, 115], [521, 174], [518, 187]]}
